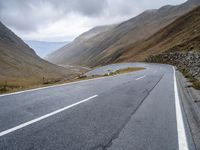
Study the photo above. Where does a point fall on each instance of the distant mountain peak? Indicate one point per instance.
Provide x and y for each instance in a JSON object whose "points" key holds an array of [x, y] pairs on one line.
{"points": [[43, 48]]}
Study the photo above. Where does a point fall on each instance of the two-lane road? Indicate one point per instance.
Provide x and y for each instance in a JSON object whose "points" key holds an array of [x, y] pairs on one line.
{"points": [[139, 110]]}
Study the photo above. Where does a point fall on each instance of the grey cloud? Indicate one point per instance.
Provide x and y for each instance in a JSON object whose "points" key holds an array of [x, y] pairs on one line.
{"points": [[84, 7], [28, 15], [32, 17]]}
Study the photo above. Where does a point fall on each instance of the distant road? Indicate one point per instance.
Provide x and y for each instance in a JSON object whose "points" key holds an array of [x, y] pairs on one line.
{"points": [[134, 111]]}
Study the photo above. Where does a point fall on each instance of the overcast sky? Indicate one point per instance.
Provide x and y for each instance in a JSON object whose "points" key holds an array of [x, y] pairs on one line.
{"points": [[63, 20]]}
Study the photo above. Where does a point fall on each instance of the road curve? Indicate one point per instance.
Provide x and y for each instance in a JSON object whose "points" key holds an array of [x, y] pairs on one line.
{"points": [[134, 111]]}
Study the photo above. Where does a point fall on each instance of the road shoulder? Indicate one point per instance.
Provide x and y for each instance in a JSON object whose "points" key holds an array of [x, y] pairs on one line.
{"points": [[191, 108]]}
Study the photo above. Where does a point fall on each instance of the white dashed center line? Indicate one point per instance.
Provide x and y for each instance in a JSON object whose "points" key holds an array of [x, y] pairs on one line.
{"points": [[45, 116]]}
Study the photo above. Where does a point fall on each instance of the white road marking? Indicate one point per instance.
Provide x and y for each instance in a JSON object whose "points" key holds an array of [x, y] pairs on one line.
{"points": [[182, 139], [47, 87], [140, 77], [44, 117], [59, 85]]}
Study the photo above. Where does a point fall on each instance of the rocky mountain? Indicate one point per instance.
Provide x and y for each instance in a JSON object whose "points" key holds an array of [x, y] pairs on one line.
{"points": [[113, 44], [43, 48], [20, 66]]}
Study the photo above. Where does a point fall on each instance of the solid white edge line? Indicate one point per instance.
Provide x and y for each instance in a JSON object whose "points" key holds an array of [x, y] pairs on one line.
{"points": [[182, 139], [140, 77], [44, 117], [59, 85], [47, 87]]}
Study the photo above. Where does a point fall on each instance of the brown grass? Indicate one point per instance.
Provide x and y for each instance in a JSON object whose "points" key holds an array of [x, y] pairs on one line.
{"points": [[12, 85], [180, 35], [22, 84], [195, 82], [127, 70], [120, 71]]}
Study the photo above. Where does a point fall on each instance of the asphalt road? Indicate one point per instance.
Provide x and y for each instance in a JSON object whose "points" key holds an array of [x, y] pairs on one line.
{"points": [[134, 111]]}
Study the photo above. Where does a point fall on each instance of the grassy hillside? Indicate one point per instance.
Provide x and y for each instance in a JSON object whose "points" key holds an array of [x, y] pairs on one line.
{"points": [[21, 67], [77, 51], [181, 35]]}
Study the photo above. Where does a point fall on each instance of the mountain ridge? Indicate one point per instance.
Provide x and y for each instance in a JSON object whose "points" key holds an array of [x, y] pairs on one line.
{"points": [[105, 47], [177, 33]]}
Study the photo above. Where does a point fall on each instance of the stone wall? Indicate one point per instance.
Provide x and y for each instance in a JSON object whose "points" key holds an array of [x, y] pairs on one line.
{"points": [[185, 61]]}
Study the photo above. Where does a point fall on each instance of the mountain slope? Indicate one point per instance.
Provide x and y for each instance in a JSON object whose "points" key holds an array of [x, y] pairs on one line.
{"points": [[107, 47], [69, 54], [182, 35], [19, 64], [44, 48]]}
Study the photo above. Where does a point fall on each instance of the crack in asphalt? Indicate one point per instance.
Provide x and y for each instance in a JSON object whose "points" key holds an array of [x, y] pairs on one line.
{"points": [[116, 135]]}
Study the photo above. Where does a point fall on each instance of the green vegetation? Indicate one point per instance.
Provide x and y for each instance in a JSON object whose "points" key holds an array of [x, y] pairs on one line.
{"points": [[195, 82], [5, 87]]}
